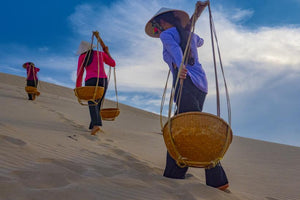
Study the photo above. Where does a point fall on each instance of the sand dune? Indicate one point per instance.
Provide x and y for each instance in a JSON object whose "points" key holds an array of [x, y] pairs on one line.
{"points": [[47, 152]]}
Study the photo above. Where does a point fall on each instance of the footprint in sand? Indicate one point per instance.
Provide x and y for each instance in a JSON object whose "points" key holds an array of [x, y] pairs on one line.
{"points": [[4, 179], [50, 173], [73, 137], [12, 140], [109, 140], [271, 198]]}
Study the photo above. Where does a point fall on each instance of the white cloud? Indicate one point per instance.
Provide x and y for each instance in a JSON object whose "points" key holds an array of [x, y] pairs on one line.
{"points": [[250, 57], [54, 81], [52, 62], [9, 69], [255, 60], [74, 76], [241, 15], [43, 49]]}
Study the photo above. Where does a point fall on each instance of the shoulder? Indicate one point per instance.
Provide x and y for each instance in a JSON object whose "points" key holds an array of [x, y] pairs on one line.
{"points": [[169, 33], [81, 56], [102, 53]]}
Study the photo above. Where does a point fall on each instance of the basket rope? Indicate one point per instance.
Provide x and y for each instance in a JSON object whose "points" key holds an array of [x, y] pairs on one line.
{"points": [[115, 83], [105, 49]]}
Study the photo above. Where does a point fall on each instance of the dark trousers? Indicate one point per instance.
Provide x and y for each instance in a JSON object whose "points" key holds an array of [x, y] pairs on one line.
{"points": [[95, 109], [192, 99], [33, 84]]}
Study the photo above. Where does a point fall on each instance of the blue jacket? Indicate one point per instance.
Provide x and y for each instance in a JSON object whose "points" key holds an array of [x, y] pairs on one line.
{"points": [[172, 53]]}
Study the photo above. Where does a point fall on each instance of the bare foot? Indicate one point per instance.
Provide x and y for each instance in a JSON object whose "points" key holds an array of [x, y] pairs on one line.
{"points": [[95, 130]]}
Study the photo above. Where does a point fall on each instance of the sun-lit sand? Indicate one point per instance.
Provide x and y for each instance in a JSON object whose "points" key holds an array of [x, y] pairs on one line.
{"points": [[47, 152]]}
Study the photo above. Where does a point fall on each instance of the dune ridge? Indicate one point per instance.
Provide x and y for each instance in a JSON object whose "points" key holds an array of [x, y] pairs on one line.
{"points": [[47, 152]]}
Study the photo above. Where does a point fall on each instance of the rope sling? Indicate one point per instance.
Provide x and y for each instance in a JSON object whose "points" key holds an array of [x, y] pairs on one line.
{"points": [[31, 89], [197, 139], [90, 93], [109, 114]]}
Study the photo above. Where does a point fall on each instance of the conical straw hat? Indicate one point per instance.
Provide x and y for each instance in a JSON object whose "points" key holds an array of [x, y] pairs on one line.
{"points": [[182, 15], [28, 63], [84, 47]]}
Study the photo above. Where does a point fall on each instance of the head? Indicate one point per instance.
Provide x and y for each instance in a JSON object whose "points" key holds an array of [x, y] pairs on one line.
{"points": [[153, 27], [28, 64], [84, 47], [168, 20]]}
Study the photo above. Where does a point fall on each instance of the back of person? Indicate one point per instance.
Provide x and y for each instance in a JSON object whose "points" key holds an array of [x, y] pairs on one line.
{"points": [[195, 71], [92, 61], [31, 79], [95, 68], [32, 72]]}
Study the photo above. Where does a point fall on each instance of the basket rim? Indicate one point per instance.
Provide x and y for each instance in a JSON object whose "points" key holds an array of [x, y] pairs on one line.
{"points": [[83, 87], [85, 92], [31, 89], [110, 109], [196, 113]]}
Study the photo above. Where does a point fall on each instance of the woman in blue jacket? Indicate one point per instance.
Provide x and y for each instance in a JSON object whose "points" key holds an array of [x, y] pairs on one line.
{"points": [[172, 27]]}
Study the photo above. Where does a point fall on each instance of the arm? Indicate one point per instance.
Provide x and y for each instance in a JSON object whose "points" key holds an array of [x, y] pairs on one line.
{"points": [[80, 70], [172, 47], [108, 60], [104, 47], [199, 41], [200, 6]]}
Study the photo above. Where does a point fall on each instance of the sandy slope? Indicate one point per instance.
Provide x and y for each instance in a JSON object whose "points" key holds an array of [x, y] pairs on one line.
{"points": [[46, 152]]}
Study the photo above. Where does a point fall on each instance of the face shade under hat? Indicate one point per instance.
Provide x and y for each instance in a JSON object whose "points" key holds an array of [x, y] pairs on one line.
{"points": [[152, 28], [156, 27]]}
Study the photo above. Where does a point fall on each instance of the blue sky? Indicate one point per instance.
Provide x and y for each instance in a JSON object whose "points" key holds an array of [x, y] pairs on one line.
{"points": [[259, 41]]}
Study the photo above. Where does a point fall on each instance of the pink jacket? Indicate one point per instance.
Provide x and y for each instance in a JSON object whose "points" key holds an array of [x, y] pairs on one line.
{"points": [[32, 72], [92, 69]]}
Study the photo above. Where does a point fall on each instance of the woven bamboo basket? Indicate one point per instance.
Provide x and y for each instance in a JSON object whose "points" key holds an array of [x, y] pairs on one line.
{"points": [[87, 92], [199, 139], [32, 90], [109, 114]]}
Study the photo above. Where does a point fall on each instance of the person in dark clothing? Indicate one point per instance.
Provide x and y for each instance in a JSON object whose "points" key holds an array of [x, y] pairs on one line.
{"points": [[93, 63], [32, 78], [170, 26]]}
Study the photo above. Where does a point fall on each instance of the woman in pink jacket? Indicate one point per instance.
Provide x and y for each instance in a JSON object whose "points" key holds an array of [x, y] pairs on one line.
{"points": [[90, 65], [32, 79]]}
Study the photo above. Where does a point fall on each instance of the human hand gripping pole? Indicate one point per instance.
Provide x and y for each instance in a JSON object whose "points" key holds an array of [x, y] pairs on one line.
{"points": [[182, 75], [104, 47], [199, 7], [182, 71]]}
